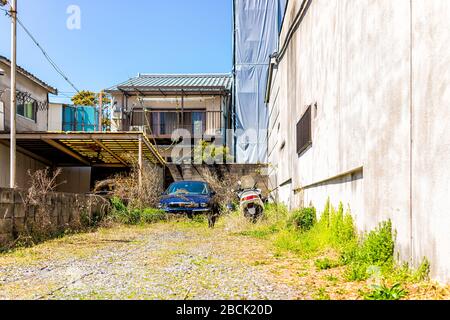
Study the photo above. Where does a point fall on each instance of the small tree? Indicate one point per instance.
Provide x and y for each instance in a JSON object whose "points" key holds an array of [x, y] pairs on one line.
{"points": [[89, 98], [85, 98]]}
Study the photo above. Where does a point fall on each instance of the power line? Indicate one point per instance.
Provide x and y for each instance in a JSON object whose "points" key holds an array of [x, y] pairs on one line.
{"points": [[47, 57], [52, 63]]}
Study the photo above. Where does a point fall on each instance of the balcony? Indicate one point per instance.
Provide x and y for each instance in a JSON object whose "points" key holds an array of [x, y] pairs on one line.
{"points": [[162, 124]]}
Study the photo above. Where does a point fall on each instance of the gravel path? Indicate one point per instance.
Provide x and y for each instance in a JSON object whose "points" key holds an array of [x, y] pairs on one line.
{"points": [[162, 261]]}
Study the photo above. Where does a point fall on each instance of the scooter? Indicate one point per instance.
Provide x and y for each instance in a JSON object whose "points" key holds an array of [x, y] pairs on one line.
{"points": [[251, 203]]}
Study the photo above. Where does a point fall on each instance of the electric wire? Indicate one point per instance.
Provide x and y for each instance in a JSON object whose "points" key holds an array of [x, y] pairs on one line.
{"points": [[46, 55]]}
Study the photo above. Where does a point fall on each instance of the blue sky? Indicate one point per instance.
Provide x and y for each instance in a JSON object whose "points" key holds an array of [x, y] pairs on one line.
{"points": [[119, 39]]}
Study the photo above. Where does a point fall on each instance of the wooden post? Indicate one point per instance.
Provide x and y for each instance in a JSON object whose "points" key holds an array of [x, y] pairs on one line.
{"points": [[140, 162]]}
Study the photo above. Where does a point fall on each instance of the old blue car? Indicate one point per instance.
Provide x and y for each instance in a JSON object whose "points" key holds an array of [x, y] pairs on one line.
{"points": [[188, 197]]}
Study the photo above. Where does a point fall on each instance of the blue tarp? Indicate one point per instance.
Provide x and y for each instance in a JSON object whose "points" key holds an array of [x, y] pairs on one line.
{"points": [[257, 27]]}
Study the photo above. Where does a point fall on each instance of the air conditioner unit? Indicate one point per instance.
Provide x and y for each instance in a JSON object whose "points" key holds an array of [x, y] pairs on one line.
{"points": [[137, 128]]}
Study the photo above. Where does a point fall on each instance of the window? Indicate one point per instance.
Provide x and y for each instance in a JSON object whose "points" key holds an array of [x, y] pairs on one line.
{"points": [[27, 110], [304, 139]]}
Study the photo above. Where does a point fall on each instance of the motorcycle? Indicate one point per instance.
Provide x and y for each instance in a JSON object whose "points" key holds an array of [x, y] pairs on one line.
{"points": [[251, 202]]}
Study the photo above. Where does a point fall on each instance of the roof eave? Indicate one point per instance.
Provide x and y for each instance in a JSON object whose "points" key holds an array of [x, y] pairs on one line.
{"points": [[31, 77]]}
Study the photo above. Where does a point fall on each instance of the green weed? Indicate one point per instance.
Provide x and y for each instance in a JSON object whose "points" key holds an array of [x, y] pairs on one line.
{"points": [[321, 294], [383, 292], [122, 214], [303, 219], [325, 264]]}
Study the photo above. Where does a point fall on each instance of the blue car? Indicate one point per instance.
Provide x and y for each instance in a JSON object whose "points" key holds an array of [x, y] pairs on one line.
{"points": [[188, 197]]}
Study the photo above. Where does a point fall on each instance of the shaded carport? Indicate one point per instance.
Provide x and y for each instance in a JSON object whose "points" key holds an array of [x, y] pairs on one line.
{"points": [[80, 149]]}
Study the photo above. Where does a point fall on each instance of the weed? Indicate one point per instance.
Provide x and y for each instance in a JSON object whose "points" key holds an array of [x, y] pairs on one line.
{"points": [[331, 278], [325, 264], [383, 292], [321, 294], [376, 249], [303, 219], [123, 214]]}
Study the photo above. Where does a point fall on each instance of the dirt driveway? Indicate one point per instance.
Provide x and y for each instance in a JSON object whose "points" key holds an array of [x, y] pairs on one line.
{"points": [[175, 260], [161, 261]]}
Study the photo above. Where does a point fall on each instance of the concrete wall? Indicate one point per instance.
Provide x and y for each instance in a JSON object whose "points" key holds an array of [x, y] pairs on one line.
{"points": [[55, 117], [379, 72], [67, 211], [24, 163], [24, 85], [77, 179]]}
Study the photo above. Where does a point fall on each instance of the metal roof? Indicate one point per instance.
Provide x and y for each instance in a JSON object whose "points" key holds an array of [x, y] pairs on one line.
{"points": [[88, 149], [30, 76], [175, 82]]}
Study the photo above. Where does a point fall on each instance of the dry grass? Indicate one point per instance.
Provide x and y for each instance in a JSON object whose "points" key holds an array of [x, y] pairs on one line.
{"points": [[126, 186], [223, 186]]}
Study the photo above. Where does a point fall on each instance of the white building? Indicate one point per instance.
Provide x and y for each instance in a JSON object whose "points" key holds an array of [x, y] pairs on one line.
{"points": [[359, 105]]}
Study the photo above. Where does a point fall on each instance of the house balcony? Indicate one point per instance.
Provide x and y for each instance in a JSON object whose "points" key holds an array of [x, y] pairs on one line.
{"points": [[163, 124]]}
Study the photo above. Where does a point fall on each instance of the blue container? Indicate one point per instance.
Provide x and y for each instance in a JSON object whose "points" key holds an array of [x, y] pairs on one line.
{"points": [[80, 118]]}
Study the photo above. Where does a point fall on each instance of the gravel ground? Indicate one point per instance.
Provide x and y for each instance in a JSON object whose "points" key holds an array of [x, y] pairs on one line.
{"points": [[174, 260], [162, 261]]}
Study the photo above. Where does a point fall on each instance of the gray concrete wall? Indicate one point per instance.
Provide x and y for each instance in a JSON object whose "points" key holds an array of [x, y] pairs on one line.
{"points": [[379, 73], [71, 180]]}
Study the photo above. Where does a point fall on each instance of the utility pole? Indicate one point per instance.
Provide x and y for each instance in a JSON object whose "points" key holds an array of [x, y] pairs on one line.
{"points": [[100, 111], [13, 106]]}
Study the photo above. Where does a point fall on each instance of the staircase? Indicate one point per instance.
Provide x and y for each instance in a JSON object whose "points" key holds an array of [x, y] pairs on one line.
{"points": [[175, 172], [184, 172]]}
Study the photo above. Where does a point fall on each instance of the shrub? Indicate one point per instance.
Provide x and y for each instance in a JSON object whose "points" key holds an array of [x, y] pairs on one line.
{"points": [[303, 219], [126, 186], [123, 214], [376, 249]]}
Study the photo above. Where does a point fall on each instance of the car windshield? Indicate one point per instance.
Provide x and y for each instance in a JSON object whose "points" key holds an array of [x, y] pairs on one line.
{"points": [[199, 188]]}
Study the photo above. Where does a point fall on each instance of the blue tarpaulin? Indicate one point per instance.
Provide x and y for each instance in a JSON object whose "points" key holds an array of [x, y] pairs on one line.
{"points": [[257, 27]]}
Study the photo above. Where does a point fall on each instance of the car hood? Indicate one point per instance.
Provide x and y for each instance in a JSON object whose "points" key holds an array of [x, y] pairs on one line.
{"points": [[185, 198]]}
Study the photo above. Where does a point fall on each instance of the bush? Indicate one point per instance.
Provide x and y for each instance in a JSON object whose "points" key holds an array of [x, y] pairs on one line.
{"points": [[369, 255], [376, 249], [122, 214], [303, 219]]}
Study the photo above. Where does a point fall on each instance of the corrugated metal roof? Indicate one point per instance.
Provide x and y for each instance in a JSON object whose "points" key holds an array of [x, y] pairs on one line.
{"points": [[176, 81]]}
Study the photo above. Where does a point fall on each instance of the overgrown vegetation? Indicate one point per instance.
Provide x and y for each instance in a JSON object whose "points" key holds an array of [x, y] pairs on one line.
{"points": [[132, 203], [41, 221], [209, 153], [362, 256], [127, 215], [303, 219]]}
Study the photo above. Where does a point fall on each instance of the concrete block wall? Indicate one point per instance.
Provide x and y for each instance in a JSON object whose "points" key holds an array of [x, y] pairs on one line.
{"points": [[233, 171], [66, 211]]}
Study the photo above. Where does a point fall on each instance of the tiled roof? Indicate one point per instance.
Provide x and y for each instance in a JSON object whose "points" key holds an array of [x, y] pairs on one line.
{"points": [[167, 82], [31, 76]]}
